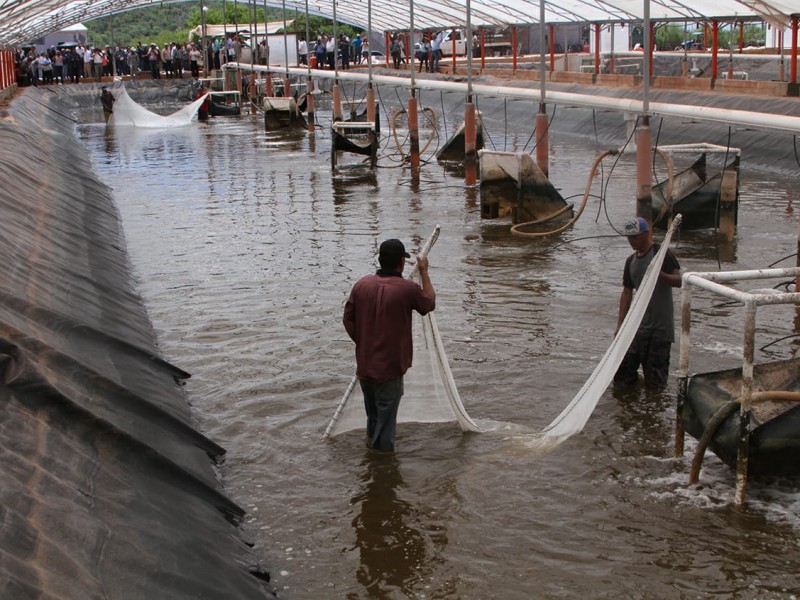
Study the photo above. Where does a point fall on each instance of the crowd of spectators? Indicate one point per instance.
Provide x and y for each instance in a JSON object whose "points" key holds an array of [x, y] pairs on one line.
{"points": [[78, 62]]}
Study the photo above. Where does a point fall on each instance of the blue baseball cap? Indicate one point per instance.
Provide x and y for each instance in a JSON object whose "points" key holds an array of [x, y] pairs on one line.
{"points": [[635, 227]]}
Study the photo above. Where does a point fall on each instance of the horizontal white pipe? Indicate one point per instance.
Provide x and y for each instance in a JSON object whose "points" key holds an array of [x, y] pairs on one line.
{"points": [[748, 274], [710, 281], [699, 147], [768, 121]]}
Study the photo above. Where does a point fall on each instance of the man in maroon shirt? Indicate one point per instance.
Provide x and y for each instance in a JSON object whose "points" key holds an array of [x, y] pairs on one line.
{"points": [[377, 317]]}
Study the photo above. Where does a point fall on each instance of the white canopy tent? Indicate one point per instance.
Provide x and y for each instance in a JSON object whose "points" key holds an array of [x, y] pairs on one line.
{"points": [[24, 20]]}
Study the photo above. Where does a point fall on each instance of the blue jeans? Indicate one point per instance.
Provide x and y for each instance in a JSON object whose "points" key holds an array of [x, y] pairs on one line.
{"points": [[381, 401]]}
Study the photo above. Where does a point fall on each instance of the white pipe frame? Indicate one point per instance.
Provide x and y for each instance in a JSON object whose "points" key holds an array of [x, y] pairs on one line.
{"points": [[762, 121], [713, 282]]}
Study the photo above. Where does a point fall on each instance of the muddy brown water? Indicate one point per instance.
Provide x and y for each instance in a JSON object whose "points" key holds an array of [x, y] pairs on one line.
{"points": [[245, 247]]}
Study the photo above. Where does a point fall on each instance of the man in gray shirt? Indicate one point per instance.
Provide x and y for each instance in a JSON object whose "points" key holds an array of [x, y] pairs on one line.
{"points": [[653, 342]]}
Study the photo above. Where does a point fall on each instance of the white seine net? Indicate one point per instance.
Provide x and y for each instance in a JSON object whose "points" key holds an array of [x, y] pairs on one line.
{"points": [[130, 114]]}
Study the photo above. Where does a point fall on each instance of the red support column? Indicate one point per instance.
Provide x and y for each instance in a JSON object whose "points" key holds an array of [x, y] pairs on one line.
{"points": [[483, 50], [453, 35], [542, 140], [310, 105], [793, 77], [470, 144], [597, 48], [413, 130], [552, 48], [388, 43], [514, 48], [714, 49], [741, 36]]}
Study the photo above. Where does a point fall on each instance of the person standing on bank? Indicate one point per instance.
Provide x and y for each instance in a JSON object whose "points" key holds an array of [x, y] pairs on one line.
{"points": [[653, 342], [377, 317], [107, 100]]}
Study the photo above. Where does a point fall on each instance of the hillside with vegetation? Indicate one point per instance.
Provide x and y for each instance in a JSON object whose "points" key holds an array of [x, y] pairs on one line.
{"points": [[169, 23]]}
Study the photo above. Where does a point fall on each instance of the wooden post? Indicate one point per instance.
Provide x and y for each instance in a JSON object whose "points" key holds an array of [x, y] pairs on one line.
{"points": [[287, 87]]}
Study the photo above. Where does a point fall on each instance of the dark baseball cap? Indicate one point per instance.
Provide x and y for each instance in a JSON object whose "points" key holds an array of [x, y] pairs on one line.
{"points": [[391, 251]]}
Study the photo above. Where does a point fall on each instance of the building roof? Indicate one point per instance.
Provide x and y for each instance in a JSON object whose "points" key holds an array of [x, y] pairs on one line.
{"points": [[24, 20], [213, 31]]}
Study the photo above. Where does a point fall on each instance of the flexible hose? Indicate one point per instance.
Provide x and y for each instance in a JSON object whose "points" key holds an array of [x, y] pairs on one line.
{"points": [[723, 412], [517, 229], [431, 120]]}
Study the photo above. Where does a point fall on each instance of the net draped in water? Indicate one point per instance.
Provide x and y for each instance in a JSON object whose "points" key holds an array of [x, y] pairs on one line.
{"points": [[431, 395], [129, 113]]}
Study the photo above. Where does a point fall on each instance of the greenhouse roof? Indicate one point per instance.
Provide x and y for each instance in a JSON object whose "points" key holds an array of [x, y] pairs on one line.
{"points": [[22, 21]]}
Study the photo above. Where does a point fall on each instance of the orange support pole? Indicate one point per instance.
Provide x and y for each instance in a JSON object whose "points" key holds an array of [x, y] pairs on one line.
{"points": [[470, 145], [542, 141], [371, 106], [337, 102], [310, 104], [453, 36], [514, 48], [644, 171], [714, 49], [793, 71], [388, 43], [268, 85], [413, 130], [287, 88], [483, 50], [552, 48], [741, 36], [597, 48]]}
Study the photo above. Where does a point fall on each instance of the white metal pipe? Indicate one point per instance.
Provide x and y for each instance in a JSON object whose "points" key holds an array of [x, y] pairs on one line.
{"points": [[748, 274], [743, 297], [757, 120]]}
